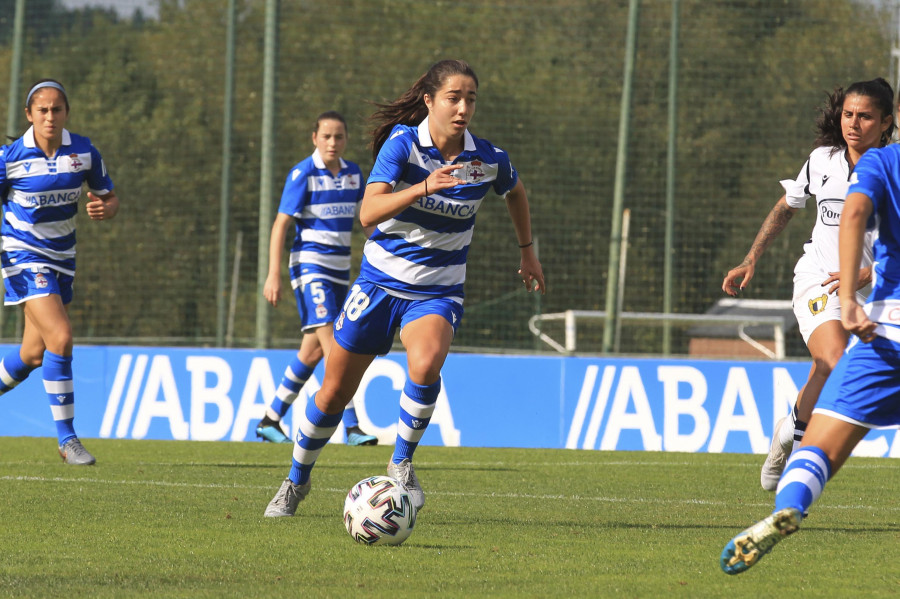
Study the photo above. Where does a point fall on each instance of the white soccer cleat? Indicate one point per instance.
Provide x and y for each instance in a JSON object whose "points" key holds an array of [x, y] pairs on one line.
{"points": [[777, 458], [748, 547], [287, 498], [406, 475]]}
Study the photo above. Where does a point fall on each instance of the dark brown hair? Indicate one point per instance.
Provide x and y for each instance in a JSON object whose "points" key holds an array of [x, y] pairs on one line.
{"points": [[330, 115], [410, 108], [828, 125]]}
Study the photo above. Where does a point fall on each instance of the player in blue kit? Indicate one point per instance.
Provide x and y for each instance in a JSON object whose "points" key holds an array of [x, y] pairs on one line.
{"points": [[863, 391], [320, 198], [41, 179], [430, 177]]}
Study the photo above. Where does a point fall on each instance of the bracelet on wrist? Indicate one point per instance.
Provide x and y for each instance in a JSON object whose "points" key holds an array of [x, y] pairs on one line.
{"points": [[525, 245]]}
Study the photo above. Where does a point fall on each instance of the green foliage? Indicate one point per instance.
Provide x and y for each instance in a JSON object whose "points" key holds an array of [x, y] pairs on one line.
{"points": [[150, 95], [176, 519]]}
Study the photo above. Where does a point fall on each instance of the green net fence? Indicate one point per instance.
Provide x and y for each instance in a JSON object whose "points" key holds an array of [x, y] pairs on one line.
{"points": [[146, 83]]}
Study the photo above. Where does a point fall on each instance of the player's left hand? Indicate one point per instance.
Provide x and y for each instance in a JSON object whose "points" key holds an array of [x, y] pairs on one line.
{"points": [[102, 208], [855, 321], [531, 272]]}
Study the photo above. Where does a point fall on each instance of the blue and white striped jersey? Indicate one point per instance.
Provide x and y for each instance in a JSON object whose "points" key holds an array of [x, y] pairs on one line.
{"points": [[40, 199], [324, 207], [877, 175], [422, 251]]}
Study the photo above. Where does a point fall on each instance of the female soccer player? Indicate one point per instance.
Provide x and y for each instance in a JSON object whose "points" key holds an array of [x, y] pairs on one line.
{"points": [[429, 178], [863, 392], [319, 198], [41, 176], [852, 122]]}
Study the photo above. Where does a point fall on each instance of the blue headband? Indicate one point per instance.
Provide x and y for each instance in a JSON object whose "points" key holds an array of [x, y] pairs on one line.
{"points": [[41, 85]]}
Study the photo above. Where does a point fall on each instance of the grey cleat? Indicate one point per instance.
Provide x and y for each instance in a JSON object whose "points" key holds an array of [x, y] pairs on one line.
{"points": [[73, 452], [286, 499], [405, 473], [777, 458]]}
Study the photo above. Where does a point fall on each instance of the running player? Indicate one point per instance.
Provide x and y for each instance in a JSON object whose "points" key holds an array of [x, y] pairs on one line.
{"points": [[320, 198], [430, 177], [41, 178], [863, 392], [852, 122]]}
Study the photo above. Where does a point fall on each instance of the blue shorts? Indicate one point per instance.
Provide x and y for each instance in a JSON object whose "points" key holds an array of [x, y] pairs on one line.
{"points": [[37, 282], [864, 387], [319, 303], [371, 316]]}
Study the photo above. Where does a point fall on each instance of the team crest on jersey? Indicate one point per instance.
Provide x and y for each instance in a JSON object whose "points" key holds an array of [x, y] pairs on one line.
{"points": [[321, 311], [40, 281], [472, 172], [75, 162], [817, 304]]}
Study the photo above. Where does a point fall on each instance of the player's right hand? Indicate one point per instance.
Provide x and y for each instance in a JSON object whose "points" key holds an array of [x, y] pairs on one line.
{"points": [[744, 272], [272, 290]]}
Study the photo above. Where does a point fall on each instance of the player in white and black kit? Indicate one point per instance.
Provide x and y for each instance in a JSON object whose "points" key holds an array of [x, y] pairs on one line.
{"points": [[852, 121]]}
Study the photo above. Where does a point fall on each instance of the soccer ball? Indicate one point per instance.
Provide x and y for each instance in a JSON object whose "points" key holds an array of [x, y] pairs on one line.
{"points": [[379, 511]]}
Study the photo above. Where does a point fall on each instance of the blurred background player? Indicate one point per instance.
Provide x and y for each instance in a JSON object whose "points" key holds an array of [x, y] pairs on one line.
{"points": [[864, 390], [851, 122], [320, 198], [429, 178], [41, 178]]}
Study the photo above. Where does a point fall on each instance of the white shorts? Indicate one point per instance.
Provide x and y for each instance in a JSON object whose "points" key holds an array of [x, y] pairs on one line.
{"points": [[812, 303]]}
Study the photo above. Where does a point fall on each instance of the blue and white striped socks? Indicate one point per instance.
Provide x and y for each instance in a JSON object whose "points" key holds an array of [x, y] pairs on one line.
{"points": [[295, 376], [12, 371], [351, 420], [804, 478], [316, 428], [416, 407], [61, 393]]}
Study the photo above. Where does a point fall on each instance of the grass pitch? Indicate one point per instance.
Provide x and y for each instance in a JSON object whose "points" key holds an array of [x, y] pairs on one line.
{"points": [[184, 519]]}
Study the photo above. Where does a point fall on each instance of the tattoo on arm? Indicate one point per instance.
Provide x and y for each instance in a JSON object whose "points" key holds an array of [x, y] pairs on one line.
{"points": [[774, 224]]}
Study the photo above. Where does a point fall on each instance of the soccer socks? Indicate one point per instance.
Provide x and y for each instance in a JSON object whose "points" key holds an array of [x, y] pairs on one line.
{"points": [[799, 428], [804, 478], [350, 418], [316, 428], [61, 393], [295, 376], [416, 407], [12, 371]]}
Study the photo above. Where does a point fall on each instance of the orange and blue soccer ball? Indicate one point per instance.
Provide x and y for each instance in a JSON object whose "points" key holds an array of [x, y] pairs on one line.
{"points": [[379, 511]]}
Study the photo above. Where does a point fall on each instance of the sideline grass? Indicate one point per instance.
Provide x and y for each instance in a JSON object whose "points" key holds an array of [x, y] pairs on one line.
{"points": [[185, 519]]}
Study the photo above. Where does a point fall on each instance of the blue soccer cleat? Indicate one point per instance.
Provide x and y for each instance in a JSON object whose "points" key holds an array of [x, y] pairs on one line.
{"points": [[356, 437], [269, 430], [748, 547]]}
